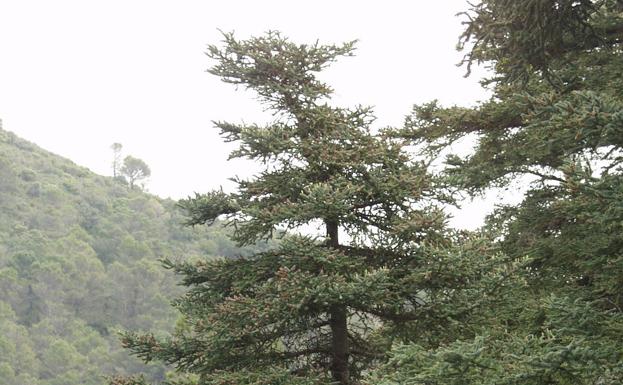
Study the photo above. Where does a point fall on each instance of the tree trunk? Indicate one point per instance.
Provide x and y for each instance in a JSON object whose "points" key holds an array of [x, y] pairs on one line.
{"points": [[339, 345], [338, 323]]}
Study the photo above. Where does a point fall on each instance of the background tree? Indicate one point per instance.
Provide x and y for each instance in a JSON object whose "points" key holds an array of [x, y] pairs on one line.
{"points": [[315, 309], [555, 122], [116, 160], [134, 170]]}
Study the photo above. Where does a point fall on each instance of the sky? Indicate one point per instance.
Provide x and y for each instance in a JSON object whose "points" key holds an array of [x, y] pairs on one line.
{"points": [[77, 76]]}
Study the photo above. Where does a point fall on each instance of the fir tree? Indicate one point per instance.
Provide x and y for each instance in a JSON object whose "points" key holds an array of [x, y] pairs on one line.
{"points": [[555, 120], [315, 309]]}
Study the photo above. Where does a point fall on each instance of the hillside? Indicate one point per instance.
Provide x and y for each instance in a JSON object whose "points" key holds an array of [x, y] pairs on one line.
{"points": [[78, 261]]}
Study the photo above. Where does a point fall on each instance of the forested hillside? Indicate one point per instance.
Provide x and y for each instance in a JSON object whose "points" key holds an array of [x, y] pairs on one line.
{"points": [[78, 262], [385, 292]]}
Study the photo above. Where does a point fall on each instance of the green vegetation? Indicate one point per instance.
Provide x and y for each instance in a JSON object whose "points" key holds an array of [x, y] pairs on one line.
{"points": [[555, 123], [134, 170], [311, 310], [79, 262], [539, 302], [384, 293]]}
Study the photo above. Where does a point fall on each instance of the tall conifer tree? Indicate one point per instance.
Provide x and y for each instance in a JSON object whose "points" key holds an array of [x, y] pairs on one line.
{"points": [[555, 122], [316, 309]]}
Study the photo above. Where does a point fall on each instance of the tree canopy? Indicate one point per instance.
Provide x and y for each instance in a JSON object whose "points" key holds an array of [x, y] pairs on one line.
{"points": [[554, 123], [311, 309], [134, 170], [339, 267]]}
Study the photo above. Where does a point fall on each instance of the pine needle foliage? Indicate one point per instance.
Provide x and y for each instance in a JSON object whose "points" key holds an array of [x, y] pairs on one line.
{"points": [[555, 120], [315, 309]]}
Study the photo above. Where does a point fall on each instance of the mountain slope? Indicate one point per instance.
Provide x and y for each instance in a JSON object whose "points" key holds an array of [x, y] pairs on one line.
{"points": [[79, 260]]}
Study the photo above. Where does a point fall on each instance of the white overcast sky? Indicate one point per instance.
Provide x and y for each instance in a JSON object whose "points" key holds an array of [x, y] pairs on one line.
{"points": [[76, 76]]}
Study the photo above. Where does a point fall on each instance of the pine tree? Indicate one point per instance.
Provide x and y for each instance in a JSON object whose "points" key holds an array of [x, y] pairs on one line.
{"points": [[555, 119], [315, 309], [134, 170]]}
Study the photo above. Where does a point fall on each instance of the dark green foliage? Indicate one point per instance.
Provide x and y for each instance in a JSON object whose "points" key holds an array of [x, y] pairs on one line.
{"points": [[529, 337], [323, 308], [555, 123], [569, 140], [523, 38]]}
